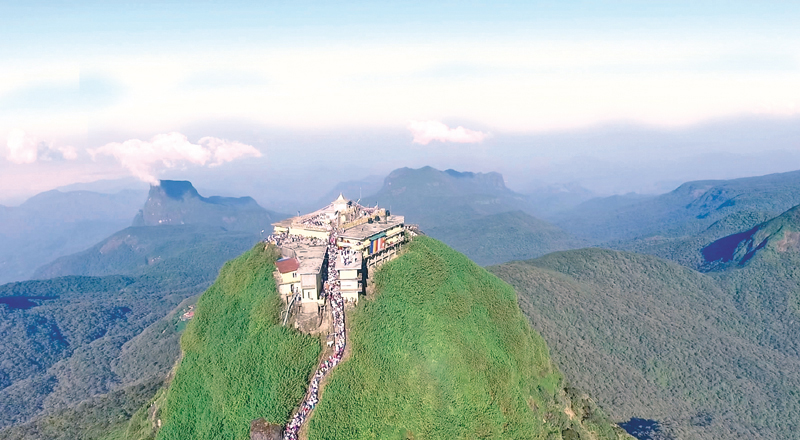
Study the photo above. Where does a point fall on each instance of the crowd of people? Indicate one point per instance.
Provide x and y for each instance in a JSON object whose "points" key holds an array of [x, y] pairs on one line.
{"points": [[348, 256], [286, 239], [333, 295], [320, 221]]}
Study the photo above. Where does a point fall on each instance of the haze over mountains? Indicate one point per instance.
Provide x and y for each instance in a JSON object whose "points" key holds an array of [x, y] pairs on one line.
{"points": [[457, 207], [704, 346], [56, 223]]}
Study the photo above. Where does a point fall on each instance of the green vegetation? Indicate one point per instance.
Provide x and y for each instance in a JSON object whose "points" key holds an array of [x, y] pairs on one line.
{"points": [[760, 267], [443, 351], [185, 251], [239, 363], [97, 323], [103, 417], [648, 338], [92, 337]]}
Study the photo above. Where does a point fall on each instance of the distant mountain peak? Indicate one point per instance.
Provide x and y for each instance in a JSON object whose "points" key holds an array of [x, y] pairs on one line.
{"points": [[177, 202], [175, 189], [492, 181]]}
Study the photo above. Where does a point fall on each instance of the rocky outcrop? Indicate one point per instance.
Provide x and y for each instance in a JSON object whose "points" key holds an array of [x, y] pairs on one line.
{"points": [[261, 429]]}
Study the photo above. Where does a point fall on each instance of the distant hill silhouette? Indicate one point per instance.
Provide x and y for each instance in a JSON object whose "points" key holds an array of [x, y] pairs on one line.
{"points": [[688, 210], [175, 202], [55, 223], [473, 212], [135, 249]]}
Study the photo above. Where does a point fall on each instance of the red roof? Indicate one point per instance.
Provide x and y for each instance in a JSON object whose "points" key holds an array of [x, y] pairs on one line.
{"points": [[287, 265]]}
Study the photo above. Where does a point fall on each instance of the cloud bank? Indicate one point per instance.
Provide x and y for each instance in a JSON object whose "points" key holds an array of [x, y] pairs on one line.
{"points": [[426, 131], [144, 159], [24, 149]]}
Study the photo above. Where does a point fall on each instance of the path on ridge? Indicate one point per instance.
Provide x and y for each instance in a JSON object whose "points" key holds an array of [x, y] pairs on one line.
{"points": [[333, 293]]}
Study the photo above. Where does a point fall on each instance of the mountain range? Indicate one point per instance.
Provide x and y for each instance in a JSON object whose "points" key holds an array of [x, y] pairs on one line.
{"points": [[684, 326], [55, 223]]}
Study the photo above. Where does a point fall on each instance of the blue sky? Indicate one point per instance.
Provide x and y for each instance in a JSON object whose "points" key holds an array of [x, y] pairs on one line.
{"points": [[77, 76]]}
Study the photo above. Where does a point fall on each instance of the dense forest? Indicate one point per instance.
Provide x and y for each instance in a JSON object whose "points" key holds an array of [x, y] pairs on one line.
{"points": [[651, 339], [69, 338]]}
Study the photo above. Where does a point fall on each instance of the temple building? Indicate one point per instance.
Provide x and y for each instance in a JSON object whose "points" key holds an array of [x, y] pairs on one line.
{"points": [[366, 238]]}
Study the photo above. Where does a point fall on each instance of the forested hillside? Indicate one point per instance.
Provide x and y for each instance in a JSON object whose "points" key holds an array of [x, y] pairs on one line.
{"points": [[760, 267], [192, 250], [498, 238], [95, 335], [97, 321], [654, 340], [238, 357]]}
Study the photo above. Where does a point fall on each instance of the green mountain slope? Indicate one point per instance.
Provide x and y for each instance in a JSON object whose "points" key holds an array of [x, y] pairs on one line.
{"points": [[654, 340], [687, 250], [239, 363], [88, 326], [443, 351], [778, 235], [473, 212], [759, 267], [68, 339], [497, 238]]}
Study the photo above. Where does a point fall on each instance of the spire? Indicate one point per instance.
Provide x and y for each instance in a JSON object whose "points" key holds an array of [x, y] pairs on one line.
{"points": [[340, 204]]}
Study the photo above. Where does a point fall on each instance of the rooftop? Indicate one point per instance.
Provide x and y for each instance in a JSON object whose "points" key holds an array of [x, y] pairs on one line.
{"points": [[311, 257], [286, 265], [366, 230], [353, 261]]}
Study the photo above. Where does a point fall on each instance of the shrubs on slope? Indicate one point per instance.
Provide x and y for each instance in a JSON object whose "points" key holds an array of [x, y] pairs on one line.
{"points": [[239, 363], [443, 351]]}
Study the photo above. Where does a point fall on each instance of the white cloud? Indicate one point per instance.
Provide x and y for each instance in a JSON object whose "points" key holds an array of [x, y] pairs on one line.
{"points": [[144, 159], [25, 149], [226, 151], [21, 148], [426, 131], [68, 152]]}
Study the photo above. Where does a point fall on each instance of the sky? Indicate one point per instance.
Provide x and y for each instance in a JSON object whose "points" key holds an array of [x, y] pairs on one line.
{"points": [[617, 96]]}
